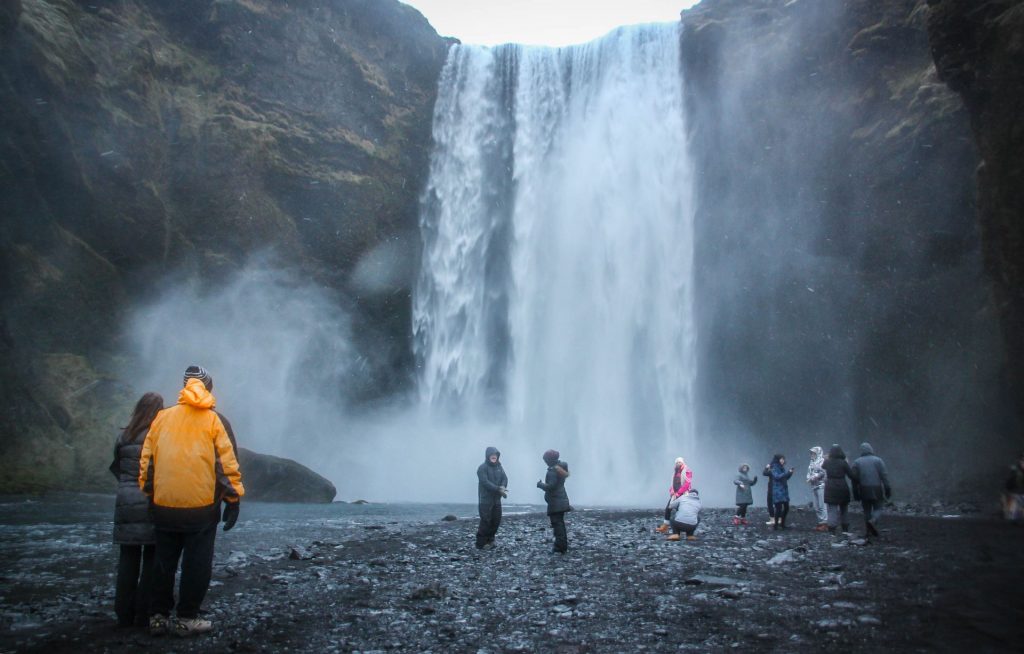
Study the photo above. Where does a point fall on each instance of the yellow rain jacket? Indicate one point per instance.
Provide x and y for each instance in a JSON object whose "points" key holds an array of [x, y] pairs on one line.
{"points": [[188, 462]]}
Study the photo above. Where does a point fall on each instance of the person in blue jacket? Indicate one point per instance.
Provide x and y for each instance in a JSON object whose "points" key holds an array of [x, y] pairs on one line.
{"points": [[780, 489]]}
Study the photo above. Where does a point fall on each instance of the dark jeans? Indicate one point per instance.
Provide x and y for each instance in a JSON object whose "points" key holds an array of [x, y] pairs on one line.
{"points": [[195, 549], [781, 511], [741, 510], [132, 591], [490, 520], [558, 525], [679, 527], [872, 512], [771, 505]]}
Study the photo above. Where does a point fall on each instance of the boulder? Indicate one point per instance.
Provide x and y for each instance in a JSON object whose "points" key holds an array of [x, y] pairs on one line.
{"points": [[274, 479]]}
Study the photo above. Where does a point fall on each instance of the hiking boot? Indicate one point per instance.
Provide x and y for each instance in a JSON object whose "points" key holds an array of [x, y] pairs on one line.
{"points": [[736, 521], [821, 528], [771, 521], [872, 531], [673, 537], [158, 625], [191, 626], [744, 521], [662, 529], [691, 537]]}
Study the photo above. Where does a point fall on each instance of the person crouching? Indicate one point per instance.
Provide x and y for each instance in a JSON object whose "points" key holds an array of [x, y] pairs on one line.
{"points": [[685, 515]]}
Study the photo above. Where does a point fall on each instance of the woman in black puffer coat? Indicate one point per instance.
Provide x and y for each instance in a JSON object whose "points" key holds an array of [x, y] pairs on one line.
{"points": [[133, 529], [837, 490]]}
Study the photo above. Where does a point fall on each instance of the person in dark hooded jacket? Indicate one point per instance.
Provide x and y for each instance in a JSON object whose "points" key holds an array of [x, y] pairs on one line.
{"points": [[780, 489], [837, 490], [556, 497], [1013, 492], [133, 528], [872, 484], [491, 488]]}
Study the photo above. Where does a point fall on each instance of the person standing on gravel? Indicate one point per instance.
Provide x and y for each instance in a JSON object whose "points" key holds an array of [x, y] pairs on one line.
{"points": [[682, 479], [491, 488], [816, 480], [770, 501], [744, 496], [133, 528], [872, 482], [837, 490], [187, 468], [1013, 492], [556, 497], [780, 489]]}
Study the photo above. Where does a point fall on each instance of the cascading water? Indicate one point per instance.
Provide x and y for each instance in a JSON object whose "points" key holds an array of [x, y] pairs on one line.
{"points": [[556, 293]]}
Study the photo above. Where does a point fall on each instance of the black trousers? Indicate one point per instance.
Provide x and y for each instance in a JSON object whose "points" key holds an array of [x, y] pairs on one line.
{"points": [[781, 511], [195, 550], [680, 527], [490, 520], [558, 525], [741, 510], [134, 584]]}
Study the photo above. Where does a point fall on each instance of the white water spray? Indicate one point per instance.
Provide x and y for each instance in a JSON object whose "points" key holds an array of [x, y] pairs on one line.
{"points": [[556, 292]]}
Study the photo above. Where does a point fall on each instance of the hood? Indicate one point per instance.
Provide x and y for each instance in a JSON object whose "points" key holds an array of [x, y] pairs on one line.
{"points": [[866, 449], [836, 452], [680, 463], [744, 468], [489, 451], [551, 457], [818, 458], [195, 394], [776, 460]]}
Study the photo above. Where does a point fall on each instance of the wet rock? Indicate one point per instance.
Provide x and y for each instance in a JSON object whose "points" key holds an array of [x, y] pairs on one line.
{"points": [[431, 591], [299, 553], [449, 518]]}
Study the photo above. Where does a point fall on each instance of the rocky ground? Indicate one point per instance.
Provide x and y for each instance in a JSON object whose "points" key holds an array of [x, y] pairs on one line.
{"points": [[929, 584]]}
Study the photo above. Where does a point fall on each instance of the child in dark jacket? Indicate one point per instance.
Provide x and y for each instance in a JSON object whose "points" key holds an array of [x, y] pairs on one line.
{"points": [[556, 497], [744, 496]]}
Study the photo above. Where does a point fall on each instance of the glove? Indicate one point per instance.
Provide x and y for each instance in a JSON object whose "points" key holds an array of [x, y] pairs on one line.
{"points": [[540, 485], [503, 491], [230, 515]]}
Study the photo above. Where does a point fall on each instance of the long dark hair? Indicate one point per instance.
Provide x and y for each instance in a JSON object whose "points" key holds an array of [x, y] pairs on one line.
{"points": [[142, 417]]}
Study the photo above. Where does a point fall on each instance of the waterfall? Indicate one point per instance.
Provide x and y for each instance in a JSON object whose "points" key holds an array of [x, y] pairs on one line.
{"points": [[555, 296]]}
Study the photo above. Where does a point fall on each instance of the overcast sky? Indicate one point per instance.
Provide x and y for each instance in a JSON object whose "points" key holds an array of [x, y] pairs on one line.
{"points": [[541, 22]]}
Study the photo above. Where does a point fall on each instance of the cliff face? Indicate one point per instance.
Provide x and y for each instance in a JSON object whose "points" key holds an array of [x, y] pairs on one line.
{"points": [[978, 46], [146, 138], [840, 263]]}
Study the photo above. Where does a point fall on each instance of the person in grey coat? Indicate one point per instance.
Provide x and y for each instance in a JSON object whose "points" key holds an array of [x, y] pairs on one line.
{"points": [[556, 498], [491, 488], [685, 515], [744, 496], [133, 528], [871, 486]]}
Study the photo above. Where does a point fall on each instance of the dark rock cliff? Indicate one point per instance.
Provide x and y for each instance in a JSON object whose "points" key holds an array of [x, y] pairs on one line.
{"points": [[142, 139], [979, 52], [839, 260]]}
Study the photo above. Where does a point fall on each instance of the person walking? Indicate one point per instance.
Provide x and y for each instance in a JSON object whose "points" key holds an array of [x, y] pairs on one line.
{"points": [[133, 528], [770, 500], [780, 489], [872, 483], [816, 480], [491, 488], [685, 515], [1013, 492], [682, 479], [556, 497], [837, 490], [744, 496], [187, 468]]}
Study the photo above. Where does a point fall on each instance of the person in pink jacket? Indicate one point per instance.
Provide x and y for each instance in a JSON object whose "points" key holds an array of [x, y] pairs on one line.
{"points": [[682, 479]]}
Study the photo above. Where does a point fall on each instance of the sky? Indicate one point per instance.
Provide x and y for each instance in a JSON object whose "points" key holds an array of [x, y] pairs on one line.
{"points": [[542, 22]]}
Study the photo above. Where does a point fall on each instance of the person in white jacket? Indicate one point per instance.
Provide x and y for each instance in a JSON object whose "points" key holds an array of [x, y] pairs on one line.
{"points": [[685, 512], [816, 480]]}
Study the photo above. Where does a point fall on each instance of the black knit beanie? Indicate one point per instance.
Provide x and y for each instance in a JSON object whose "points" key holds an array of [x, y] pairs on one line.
{"points": [[199, 372]]}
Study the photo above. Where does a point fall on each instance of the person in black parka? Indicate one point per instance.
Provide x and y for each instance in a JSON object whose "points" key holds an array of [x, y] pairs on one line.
{"points": [[556, 497], [837, 490], [133, 528], [491, 488]]}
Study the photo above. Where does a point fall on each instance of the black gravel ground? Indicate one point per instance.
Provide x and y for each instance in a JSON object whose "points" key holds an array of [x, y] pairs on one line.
{"points": [[929, 584]]}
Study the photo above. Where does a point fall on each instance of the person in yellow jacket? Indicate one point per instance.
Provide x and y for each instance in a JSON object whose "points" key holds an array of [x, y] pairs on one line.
{"points": [[187, 468]]}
